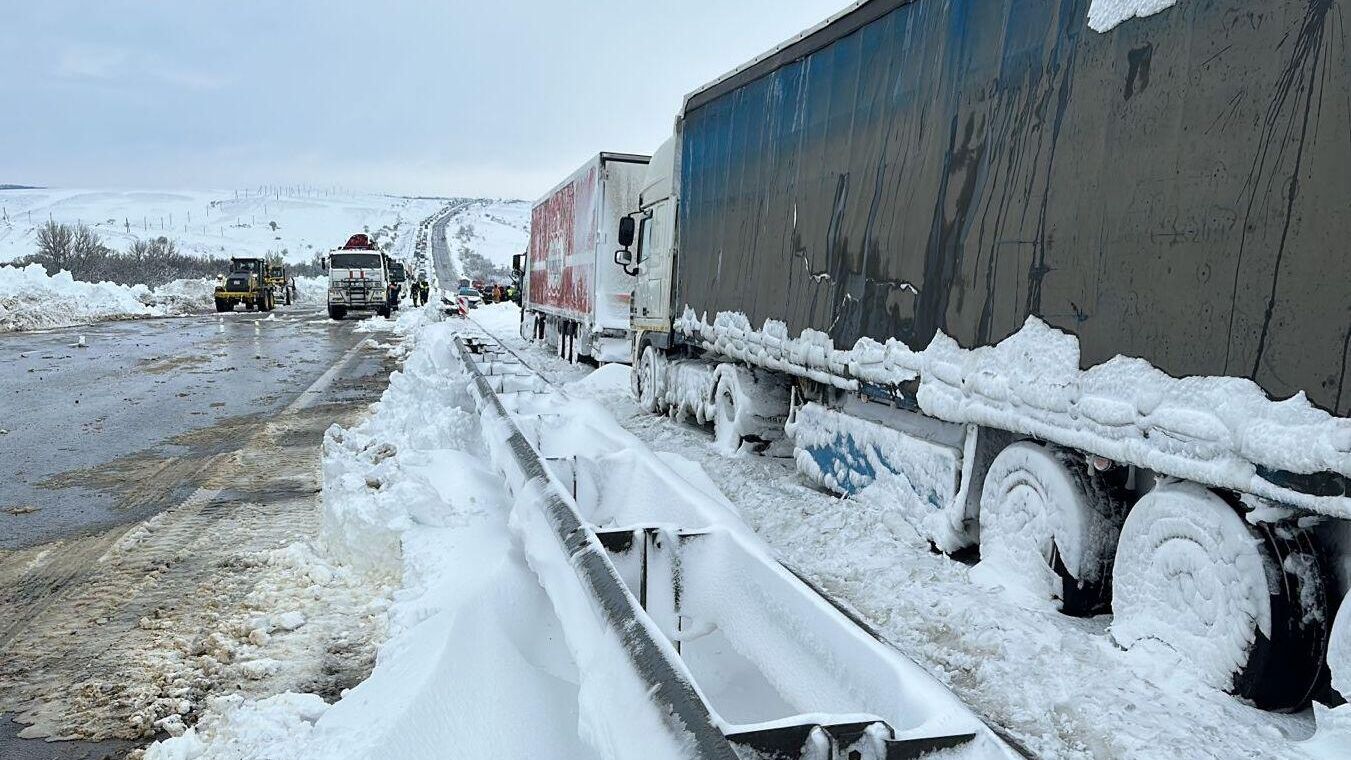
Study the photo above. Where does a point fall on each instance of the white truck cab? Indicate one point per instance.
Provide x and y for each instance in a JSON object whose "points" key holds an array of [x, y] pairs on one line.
{"points": [[358, 279], [654, 246]]}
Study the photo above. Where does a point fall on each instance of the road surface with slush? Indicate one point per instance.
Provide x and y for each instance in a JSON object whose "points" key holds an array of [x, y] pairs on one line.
{"points": [[210, 424]]}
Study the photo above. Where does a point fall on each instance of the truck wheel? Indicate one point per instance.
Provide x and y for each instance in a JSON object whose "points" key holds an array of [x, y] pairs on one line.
{"points": [[248, 305], [336, 312], [1049, 528], [646, 380], [223, 305], [1339, 651], [749, 408], [1245, 606]]}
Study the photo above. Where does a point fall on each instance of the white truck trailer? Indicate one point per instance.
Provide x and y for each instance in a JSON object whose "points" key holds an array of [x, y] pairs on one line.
{"points": [[573, 297]]}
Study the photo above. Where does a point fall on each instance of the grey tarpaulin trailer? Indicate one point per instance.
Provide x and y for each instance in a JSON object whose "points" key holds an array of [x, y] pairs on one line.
{"points": [[981, 245], [1176, 189]]}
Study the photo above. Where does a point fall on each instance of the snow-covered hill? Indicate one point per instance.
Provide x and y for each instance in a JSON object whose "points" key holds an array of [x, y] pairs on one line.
{"points": [[493, 229], [211, 222]]}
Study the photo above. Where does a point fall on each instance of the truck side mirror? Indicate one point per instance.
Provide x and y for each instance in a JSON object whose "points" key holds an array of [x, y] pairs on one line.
{"points": [[626, 230], [624, 257], [324, 265], [518, 263]]}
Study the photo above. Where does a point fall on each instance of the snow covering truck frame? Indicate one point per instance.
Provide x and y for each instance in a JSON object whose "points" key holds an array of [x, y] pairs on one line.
{"points": [[573, 297], [1053, 282]]}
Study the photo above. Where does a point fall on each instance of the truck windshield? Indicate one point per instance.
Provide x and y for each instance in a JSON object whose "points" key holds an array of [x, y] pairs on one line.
{"points": [[354, 261], [244, 265]]}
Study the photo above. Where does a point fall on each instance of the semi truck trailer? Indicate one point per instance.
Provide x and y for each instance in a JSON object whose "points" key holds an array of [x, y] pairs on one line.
{"points": [[1077, 301], [573, 299]]}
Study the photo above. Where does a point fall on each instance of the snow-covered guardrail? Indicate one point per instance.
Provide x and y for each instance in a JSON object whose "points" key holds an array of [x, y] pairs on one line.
{"points": [[711, 624], [687, 719]]}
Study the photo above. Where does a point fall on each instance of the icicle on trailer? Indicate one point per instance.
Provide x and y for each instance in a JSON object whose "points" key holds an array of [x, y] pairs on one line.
{"points": [[1140, 233]]}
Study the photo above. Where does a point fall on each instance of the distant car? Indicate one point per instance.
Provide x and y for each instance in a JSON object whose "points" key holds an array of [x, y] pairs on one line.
{"points": [[472, 296]]}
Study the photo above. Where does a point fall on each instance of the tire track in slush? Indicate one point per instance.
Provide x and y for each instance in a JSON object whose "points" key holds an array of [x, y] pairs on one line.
{"points": [[115, 631]]}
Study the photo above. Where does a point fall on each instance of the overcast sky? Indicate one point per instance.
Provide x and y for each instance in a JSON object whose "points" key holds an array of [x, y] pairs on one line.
{"points": [[498, 97]]}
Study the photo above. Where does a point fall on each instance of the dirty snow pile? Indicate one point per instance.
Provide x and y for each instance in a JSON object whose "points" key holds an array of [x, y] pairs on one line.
{"points": [[474, 660], [1105, 15], [30, 299]]}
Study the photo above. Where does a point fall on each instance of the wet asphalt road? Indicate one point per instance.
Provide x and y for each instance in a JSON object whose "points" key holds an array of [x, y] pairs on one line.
{"points": [[144, 397], [440, 251]]}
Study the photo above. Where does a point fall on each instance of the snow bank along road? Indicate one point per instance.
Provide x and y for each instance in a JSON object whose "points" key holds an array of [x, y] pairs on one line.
{"points": [[146, 477]]}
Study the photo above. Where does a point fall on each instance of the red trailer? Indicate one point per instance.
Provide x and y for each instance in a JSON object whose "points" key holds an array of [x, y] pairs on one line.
{"points": [[574, 297]]}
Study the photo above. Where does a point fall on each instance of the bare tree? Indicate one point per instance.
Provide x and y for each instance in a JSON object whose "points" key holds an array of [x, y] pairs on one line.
{"points": [[54, 246]]}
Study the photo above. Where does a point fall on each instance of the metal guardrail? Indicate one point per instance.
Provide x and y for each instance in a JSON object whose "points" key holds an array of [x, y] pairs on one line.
{"points": [[686, 716]]}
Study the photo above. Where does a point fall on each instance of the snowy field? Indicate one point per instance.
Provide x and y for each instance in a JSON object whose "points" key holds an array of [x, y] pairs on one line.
{"points": [[209, 222], [474, 650], [496, 230]]}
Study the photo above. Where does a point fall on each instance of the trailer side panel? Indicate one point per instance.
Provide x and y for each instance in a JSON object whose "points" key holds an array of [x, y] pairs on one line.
{"points": [[1175, 189]]}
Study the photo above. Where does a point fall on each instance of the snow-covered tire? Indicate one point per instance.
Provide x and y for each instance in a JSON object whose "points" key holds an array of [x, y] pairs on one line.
{"points": [[1048, 527], [1339, 651], [647, 377], [749, 408], [1244, 605]]}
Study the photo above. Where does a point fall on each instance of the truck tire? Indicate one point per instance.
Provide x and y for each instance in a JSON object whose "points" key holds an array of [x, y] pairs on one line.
{"points": [[1245, 606], [1339, 651], [749, 408], [223, 305], [646, 378], [336, 312], [1049, 528]]}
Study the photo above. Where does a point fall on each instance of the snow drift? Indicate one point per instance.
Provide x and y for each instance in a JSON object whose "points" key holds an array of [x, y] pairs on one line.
{"points": [[31, 299]]}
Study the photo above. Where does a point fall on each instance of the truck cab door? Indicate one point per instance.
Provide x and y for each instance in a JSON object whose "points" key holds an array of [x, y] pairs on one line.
{"points": [[652, 291]]}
